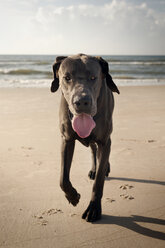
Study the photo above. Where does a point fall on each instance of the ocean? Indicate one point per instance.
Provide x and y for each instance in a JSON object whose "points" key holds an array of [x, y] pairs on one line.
{"points": [[36, 70]]}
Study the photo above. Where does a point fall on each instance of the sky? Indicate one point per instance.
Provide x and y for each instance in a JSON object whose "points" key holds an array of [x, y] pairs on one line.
{"points": [[112, 27]]}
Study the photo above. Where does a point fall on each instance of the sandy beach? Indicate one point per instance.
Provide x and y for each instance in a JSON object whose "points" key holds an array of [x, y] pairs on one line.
{"points": [[33, 209]]}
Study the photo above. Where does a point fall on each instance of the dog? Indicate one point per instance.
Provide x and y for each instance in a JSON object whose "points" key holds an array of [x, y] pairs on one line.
{"points": [[86, 110]]}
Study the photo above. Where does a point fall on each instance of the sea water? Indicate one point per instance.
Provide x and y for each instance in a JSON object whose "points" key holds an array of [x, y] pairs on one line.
{"points": [[36, 70]]}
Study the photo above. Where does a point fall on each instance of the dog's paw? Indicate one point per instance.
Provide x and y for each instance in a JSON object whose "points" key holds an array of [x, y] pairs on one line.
{"points": [[73, 197], [92, 174], [93, 211]]}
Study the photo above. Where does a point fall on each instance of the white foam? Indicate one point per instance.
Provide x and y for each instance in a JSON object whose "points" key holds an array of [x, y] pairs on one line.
{"points": [[139, 82], [24, 83], [37, 83]]}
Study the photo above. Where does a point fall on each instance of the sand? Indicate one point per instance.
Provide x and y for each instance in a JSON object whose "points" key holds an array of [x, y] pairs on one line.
{"points": [[33, 210]]}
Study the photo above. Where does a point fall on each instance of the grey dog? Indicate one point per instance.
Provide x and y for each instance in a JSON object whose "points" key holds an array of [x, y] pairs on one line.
{"points": [[86, 109]]}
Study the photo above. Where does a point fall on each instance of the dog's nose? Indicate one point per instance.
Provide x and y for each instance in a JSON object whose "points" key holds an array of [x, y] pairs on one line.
{"points": [[82, 102]]}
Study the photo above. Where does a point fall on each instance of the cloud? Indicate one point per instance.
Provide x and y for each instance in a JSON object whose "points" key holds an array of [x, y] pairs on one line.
{"points": [[112, 25], [115, 11], [116, 26]]}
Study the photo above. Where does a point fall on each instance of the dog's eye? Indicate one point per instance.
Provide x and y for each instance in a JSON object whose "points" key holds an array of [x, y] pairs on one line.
{"points": [[92, 78], [67, 78]]}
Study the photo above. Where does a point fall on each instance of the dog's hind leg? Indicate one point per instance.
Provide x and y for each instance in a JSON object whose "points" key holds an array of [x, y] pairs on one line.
{"points": [[92, 172]]}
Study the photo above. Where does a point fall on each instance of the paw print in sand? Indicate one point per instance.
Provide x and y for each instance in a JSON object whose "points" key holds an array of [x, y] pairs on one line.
{"points": [[126, 187]]}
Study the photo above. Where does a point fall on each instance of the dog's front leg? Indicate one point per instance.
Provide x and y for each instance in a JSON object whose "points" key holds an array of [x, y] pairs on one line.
{"points": [[67, 150], [93, 211]]}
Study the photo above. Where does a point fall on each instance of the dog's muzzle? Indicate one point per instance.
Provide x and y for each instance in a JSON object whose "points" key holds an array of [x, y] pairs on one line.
{"points": [[82, 104]]}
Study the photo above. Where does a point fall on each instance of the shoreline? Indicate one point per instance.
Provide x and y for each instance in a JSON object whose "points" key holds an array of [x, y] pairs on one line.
{"points": [[44, 83]]}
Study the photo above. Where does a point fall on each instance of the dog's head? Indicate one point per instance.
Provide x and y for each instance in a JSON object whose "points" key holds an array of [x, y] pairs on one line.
{"points": [[80, 79]]}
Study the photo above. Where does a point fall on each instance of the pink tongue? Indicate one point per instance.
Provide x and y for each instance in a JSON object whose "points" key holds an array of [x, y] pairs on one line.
{"points": [[83, 125]]}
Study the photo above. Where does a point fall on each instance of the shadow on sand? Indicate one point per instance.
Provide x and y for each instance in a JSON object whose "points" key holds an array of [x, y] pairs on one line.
{"points": [[135, 180], [130, 223]]}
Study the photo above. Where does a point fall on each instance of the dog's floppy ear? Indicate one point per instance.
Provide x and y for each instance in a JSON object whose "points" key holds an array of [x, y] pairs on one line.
{"points": [[105, 71], [56, 66]]}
